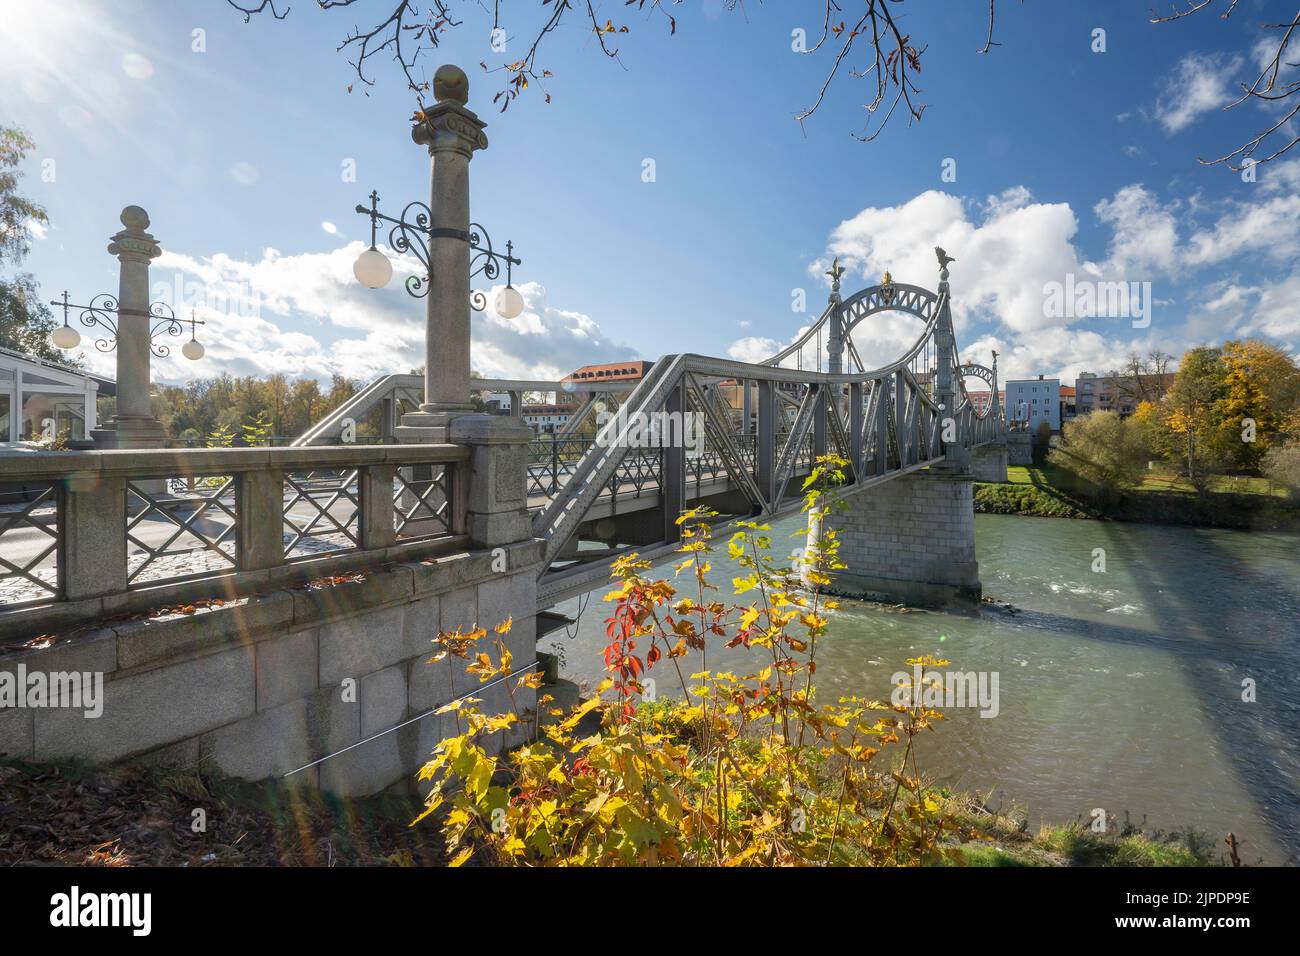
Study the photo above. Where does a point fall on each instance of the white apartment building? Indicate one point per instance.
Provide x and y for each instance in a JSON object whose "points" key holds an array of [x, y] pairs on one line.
{"points": [[1034, 400], [547, 418]]}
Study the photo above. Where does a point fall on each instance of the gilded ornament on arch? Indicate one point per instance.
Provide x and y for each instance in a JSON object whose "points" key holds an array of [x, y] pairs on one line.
{"points": [[887, 290]]}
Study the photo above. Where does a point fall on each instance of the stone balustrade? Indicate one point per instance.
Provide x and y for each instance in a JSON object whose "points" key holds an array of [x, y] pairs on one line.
{"points": [[92, 534]]}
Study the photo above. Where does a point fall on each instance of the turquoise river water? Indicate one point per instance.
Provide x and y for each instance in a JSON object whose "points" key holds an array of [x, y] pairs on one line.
{"points": [[1119, 689]]}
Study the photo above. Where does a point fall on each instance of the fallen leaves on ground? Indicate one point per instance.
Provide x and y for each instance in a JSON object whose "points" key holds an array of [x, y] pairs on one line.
{"points": [[136, 816]]}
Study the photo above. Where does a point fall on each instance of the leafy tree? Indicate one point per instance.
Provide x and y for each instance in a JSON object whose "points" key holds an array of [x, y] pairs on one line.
{"points": [[16, 213], [1105, 448], [1262, 388], [341, 389], [25, 321], [305, 404], [257, 430], [1245, 409], [1226, 409], [1192, 411], [221, 437]]}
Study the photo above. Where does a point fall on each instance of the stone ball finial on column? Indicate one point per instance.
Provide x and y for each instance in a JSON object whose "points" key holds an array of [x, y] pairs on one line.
{"points": [[449, 124], [451, 83], [133, 243], [134, 218]]}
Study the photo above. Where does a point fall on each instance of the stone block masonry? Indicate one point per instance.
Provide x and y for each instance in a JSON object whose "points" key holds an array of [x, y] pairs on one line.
{"points": [[1020, 448], [262, 686], [988, 462], [910, 540]]}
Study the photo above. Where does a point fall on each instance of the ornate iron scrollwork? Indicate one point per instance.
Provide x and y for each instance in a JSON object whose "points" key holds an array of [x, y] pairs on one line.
{"points": [[98, 314], [411, 232]]}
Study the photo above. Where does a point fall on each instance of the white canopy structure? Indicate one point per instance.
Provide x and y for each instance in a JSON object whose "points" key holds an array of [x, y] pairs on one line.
{"points": [[40, 399]]}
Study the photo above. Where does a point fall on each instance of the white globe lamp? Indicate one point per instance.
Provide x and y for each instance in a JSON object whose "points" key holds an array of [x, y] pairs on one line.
{"points": [[66, 337], [509, 303], [192, 350], [372, 269]]}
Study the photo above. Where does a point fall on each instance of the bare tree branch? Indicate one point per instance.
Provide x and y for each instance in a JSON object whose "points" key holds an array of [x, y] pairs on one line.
{"points": [[893, 60], [249, 10], [1265, 88], [988, 41]]}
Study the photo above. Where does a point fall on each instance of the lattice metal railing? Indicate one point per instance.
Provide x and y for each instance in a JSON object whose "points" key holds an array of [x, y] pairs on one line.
{"points": [[638, 472], [422, 501], [322, 512], [551, 460], [174, 533], [29, 543], [140, 529]]}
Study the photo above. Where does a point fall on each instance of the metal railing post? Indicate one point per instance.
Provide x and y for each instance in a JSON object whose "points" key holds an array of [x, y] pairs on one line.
{"points": [[855, 430], [555, 464], [765, 455]]}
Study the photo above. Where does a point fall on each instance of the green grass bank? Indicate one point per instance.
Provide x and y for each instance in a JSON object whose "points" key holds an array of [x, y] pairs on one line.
{"points": [[1047, 491]]}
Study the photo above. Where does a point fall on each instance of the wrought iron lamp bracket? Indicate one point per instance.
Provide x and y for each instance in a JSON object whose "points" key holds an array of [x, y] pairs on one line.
{"points": [[404, 237], [101, 309]]}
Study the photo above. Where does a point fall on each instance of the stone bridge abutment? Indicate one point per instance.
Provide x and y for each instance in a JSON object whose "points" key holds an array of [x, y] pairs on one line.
{"points": [[989, 462], [910, 540]]}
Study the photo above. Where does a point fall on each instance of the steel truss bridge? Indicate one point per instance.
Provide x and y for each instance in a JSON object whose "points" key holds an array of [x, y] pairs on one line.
{"points": [[597, 492]]}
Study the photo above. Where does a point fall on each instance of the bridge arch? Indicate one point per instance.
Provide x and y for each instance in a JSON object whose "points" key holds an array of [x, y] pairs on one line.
{"points": [[891, 297], [982, 372]]}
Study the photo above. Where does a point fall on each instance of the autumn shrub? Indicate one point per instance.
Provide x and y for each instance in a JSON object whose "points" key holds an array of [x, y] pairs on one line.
{"points": [[743, 767], [1282, 465], [1101, 447]]}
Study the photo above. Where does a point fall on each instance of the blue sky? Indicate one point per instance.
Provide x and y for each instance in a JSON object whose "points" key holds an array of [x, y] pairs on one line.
{"points": [[1068, 161]]}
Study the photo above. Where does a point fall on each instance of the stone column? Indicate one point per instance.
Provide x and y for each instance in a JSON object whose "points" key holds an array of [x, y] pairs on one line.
{"points": [[493, 483], [452, 133], [134, 425]]}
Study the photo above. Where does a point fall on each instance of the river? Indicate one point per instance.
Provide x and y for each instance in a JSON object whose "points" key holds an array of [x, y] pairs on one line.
{"points": [[1119, 689]]}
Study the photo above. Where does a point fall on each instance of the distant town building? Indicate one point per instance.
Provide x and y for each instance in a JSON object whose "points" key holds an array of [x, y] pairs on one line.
{"points": [[980, 400], [1069, 408], [611, 372], [1034, 401], [547, 418], [497, 402], [632, 371], [1118, 393]]}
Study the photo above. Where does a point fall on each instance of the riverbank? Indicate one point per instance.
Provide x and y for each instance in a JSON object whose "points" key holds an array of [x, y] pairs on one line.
{"points": [[1048, 492]]}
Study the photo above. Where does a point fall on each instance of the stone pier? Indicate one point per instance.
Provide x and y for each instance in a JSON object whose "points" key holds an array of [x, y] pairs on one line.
{"points": [[989, 462], [911, 540], [1020, 448]]}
